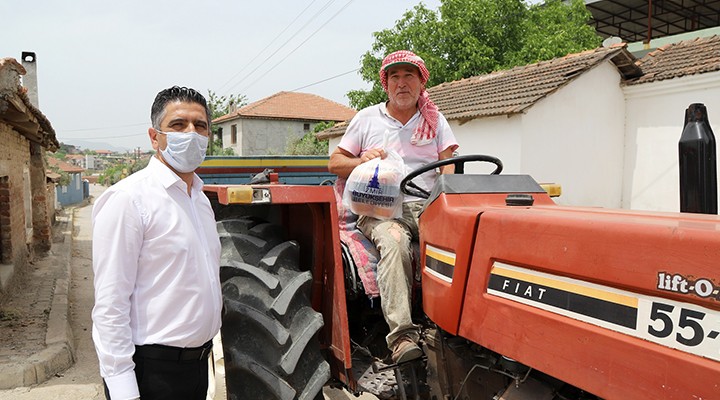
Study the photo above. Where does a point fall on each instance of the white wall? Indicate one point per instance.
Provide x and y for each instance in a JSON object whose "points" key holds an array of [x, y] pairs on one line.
{"points": [[333, 143], [655, 117], [227, 135], [573, 137], [495, 136]]}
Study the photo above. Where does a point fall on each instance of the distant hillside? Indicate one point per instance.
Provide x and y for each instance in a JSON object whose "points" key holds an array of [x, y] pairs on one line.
{"points": [[88, 145]]}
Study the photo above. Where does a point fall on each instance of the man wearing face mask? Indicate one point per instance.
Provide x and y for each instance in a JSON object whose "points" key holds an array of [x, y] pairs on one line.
{"points": [[156, 255]]}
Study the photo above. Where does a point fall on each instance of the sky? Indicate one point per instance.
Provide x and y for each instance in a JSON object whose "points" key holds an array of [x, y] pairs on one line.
{"points": [[101, 63]]}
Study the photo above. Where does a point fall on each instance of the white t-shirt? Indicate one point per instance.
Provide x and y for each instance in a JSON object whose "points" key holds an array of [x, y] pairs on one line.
{"points": [[367, 131]]}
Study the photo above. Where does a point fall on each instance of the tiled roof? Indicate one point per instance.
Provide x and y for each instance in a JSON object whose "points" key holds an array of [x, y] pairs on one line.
{"points": [[515, 90], [333, 131], [292, 106], [17, 110], [63, 166], [675, 60]]}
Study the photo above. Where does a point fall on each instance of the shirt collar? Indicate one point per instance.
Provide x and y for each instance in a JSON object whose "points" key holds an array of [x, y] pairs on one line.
{"points": [[168, 178], [383, 109]]}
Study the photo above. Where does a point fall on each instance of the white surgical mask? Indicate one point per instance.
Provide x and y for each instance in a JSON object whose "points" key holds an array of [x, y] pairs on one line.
{"points": [[185, 150]]}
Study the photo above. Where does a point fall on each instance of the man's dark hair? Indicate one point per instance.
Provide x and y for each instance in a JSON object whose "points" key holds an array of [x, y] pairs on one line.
{"points": [[175, 93]]}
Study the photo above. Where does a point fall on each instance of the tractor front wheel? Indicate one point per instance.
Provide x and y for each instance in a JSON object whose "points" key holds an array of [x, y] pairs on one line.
{"points": [[269, 327]]}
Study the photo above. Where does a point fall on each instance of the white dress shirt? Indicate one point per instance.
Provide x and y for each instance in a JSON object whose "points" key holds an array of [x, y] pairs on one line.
{"points": [[156, 256]]}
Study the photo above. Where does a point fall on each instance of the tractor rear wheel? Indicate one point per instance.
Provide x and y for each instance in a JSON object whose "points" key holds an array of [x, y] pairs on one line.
{"points": [[269, 327]]}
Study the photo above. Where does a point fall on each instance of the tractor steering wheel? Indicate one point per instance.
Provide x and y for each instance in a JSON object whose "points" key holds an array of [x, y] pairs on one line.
{"points": [[411, 189]]}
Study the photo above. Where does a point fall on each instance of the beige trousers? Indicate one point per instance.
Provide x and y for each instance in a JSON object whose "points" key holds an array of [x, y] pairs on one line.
{"points": [[393, 239]]}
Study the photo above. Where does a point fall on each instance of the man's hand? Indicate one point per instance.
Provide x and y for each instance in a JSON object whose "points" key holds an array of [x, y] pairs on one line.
{"points": [[342, 162], [372, 153]]}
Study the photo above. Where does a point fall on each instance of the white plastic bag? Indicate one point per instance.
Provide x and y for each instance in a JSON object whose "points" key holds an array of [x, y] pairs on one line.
{"points": [[373, 187]]}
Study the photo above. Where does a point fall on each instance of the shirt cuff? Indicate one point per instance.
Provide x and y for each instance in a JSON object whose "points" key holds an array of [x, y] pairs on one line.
{"points": [[123, 386]]}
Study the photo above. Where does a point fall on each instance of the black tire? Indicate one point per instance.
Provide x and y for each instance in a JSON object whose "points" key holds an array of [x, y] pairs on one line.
{"points": [[269, 327]]}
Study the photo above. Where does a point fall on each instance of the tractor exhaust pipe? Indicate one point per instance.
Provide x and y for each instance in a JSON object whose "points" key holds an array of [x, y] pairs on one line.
{"points": [[698, 163]]}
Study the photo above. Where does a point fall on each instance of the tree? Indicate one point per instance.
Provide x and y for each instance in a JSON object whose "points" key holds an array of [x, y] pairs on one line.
{"points": [[555, 29], [467, 38], [415, 30], [309, 145], [219, 106]]}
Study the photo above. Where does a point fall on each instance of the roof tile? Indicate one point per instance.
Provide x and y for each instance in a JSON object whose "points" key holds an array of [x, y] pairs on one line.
{"points": [[294, 106], [513, 91], [689, 57], [63, 166]]}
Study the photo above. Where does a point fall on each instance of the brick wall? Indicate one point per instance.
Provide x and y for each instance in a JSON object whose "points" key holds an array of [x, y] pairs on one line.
{"points": [[14, 157]]}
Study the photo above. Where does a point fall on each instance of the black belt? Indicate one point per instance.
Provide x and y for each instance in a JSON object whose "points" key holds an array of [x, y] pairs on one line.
{"points": [[169, 353]]}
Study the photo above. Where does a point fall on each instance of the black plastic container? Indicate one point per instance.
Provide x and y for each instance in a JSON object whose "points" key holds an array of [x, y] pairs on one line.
{"points": [[698, 163]]}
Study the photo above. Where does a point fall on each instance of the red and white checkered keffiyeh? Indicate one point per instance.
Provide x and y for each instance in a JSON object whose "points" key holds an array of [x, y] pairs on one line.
{"points": [[427, 128]]}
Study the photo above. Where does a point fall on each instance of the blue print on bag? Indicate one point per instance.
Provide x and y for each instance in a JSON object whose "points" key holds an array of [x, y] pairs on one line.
{"points": [[373, 185], [373, 193]]}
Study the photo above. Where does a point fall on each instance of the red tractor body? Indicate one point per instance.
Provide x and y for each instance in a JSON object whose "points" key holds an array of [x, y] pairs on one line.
{"points": [[618, 304]]}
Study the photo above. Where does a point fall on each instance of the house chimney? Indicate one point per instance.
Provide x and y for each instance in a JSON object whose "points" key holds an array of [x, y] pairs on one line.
{"points": [[29, 62]]}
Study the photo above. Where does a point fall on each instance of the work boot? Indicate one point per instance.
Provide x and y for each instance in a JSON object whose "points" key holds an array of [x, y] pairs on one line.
{"points": [[405, 349]]}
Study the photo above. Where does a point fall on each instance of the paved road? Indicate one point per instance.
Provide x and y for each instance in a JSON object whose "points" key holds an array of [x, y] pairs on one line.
{"points": [[82, 381]]}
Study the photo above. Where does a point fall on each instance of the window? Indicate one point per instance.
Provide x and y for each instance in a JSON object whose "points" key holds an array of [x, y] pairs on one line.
{"points": [[233, 134], [306, 127]]}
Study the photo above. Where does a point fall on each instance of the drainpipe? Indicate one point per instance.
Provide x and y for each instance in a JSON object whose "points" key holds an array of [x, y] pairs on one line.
{"points": [[29, 62]]}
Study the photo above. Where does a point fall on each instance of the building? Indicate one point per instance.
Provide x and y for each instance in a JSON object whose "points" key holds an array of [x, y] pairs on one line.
{"points": [[267, 126], [26, 208], [73, 192], [647, 20]]}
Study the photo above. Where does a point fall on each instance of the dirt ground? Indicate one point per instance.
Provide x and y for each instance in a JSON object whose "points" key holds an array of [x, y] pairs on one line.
{"points": [[24, 314]]}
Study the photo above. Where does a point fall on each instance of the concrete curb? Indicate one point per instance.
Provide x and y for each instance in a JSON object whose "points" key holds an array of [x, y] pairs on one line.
{"points": [[59, 352]]}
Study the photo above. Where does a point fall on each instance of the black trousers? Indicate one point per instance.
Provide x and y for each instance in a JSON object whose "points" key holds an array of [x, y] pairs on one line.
{"points": [[170, 379]]}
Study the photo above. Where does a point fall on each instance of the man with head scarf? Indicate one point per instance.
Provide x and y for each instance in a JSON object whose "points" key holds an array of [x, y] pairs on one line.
{"points": [[410, 124]]}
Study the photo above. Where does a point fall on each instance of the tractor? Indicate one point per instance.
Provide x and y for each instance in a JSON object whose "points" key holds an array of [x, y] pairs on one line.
{"points": [[518, 297]]}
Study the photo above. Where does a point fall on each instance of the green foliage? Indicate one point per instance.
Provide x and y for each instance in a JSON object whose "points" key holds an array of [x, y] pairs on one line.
{"points": [[219, 150], [222, 105], [139, 164], [113, 174], [219, 106], [309, 145], [64, 176], [467, 38], [59, 153], [555, 29]]}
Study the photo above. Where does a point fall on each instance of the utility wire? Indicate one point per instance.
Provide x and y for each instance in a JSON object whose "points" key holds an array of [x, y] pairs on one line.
{"points": [[296, 48], [107, 127], [282, 45], [325, 80], [268, 45]]}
